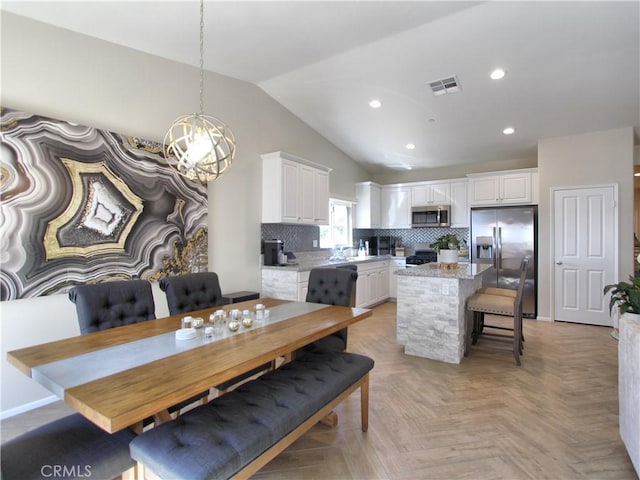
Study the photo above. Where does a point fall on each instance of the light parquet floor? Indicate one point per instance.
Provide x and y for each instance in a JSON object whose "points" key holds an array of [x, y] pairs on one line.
{"points": [[555, 417]]}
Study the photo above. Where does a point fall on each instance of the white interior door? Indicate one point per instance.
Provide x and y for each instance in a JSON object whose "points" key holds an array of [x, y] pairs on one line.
{"points": [[585, 247]]}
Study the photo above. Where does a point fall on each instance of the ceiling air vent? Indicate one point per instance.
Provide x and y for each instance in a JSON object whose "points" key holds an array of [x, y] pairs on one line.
{"points": [[445, 85]]}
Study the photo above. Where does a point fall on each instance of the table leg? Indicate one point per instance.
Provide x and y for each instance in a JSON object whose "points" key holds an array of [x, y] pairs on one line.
{"points": [[162, 417], [330, 420]]}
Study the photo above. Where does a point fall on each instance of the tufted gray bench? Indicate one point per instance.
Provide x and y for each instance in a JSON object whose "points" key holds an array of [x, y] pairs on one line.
{"points": [[71, 447], [238, 433]]}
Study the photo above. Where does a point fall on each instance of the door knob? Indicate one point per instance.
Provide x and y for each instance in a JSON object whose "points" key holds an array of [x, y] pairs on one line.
{"points": [[559, 263]]}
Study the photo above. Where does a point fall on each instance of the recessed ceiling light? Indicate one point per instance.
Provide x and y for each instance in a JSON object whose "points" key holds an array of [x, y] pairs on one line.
{"points": [[375, 103], [497, 74], [408, 167], [410, 146], [508, 130]]}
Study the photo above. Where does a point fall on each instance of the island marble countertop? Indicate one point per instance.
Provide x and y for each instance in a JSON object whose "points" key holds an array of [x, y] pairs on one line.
{"points": [[310, 264], [463, 270]]}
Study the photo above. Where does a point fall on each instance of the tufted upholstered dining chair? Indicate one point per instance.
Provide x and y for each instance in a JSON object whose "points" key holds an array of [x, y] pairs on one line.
{"points": [[113, 304], [191, 292], [197, 291], [332, 286], [501, 302]]}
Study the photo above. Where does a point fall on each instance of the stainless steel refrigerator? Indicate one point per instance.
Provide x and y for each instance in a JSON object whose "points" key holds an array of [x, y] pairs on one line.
{"points": [[501, 237]]}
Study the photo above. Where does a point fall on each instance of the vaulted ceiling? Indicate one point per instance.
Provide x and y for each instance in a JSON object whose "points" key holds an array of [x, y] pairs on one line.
{"points": [[571, 67]]}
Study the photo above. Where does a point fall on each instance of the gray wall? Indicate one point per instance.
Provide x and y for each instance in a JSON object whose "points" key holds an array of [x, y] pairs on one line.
{"points": [[60, 74]]}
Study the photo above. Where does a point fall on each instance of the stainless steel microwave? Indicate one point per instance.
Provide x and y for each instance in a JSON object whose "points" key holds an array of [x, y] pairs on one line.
{"points": [[431, 216]]}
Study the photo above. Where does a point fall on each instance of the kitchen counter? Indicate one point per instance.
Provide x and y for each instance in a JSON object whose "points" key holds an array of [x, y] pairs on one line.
{"points": [[290, 282], [463, 270], [309, 264], [431, 309]]}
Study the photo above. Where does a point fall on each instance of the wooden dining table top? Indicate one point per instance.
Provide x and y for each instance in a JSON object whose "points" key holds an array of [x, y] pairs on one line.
{"points": [[127, 394]]}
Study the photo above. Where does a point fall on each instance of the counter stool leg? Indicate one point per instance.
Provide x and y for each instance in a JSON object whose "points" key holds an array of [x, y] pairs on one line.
{"points": [[468, 319]]}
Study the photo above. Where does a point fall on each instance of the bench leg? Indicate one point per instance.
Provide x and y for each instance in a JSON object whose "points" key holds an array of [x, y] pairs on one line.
{"points": [[134, 473], [269, 454], [364, 403]]}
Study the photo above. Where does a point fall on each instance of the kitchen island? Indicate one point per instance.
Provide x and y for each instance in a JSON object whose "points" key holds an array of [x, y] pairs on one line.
{"points": [[431, 309]]}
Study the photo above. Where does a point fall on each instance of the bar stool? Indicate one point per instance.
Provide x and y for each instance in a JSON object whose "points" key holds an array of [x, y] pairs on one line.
{"points": [[501, 302]]}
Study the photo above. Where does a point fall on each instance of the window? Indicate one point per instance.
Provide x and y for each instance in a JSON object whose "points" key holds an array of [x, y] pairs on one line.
{"points": [[338, 233]]}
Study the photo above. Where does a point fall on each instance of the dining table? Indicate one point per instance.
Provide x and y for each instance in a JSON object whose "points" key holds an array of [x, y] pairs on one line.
{"points": [[116, 378]]}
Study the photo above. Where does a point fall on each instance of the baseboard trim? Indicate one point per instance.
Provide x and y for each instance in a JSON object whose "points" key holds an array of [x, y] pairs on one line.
{"points": [[544, 319], [28, 406]]}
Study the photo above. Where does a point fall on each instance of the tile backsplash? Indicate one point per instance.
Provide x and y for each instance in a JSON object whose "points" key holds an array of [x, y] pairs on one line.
{"points": [[300, 238], [408, 237], [296, 238]]}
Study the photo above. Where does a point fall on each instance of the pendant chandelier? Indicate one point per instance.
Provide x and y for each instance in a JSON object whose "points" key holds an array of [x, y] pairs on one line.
{"points": [[203, 145]]}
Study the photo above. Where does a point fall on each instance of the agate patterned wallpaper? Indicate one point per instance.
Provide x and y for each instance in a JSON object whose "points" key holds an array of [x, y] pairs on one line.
{"points": [[82, 205]]}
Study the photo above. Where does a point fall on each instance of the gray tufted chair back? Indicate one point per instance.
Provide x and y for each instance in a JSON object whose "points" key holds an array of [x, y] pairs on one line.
{"points": [[333, 286], [112, 304], [194, 291]]}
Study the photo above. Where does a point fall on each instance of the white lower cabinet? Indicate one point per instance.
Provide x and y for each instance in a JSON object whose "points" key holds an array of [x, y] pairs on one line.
{"points": [[383, 284], [373, 283], [394, 265], [372, 286], [303, 285]]}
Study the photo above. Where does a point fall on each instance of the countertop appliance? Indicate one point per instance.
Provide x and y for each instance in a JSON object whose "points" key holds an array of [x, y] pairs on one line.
{"points": [[501, 237], [431, 216], [274, 252], [423, 254], [385, 246], [379, 245]]}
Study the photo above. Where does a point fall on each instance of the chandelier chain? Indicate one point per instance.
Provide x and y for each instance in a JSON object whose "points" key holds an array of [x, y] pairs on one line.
{"points": [[202, 57], [200, 147]]}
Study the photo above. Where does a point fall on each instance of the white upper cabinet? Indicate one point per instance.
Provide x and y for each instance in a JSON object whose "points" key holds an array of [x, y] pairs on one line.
{"points": [[368, 195], [294, 190], [501, 188], [321, 204], [290, 193], [307, 194], [389, 206], [395, 207], [430, 194], [459, 204]]}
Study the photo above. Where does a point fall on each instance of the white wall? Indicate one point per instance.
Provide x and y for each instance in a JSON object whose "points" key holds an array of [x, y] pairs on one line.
{"points": [[597, 158], [59, 74]]}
